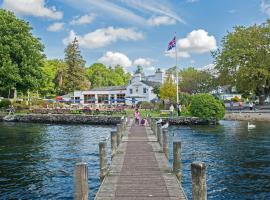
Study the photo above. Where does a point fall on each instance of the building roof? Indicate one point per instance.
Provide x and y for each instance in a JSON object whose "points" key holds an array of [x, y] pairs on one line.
{"points": [[110, 88], [151, 83]]}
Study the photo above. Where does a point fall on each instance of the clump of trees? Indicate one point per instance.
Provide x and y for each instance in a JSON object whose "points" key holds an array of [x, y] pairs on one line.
{"points": [[244, 59]]}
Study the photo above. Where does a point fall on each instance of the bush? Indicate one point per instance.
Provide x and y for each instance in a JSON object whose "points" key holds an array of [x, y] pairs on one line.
{"points": [[236, 99], [207, 107], [145, 105], [5, 103]]}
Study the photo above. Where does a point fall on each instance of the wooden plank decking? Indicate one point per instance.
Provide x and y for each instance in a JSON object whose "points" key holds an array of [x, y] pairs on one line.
{"points": [[139, 170]]}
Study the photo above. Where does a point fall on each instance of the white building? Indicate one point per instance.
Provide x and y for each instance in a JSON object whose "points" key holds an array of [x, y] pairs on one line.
{"points": [[140, 88]]}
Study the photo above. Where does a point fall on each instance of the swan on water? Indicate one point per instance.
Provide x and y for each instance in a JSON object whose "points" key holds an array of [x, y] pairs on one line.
{"points": [[251, 125]]}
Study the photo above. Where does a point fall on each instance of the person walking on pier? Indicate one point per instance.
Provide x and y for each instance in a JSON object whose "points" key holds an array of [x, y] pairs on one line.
{"points": [[137, 116]]}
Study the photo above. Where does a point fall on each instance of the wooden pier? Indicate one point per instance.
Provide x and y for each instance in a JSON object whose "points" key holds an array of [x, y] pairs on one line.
{"points": [[139, 169]]}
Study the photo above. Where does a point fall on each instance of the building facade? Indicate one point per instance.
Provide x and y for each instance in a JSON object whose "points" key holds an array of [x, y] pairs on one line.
{"points": [[139, 88]]}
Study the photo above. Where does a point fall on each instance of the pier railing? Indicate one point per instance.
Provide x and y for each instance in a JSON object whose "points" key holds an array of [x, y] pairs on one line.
{"points": [[198, 169]]}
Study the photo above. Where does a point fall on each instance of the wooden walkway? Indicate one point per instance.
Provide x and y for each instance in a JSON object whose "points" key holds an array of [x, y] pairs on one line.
{"points": [[140, 170]]}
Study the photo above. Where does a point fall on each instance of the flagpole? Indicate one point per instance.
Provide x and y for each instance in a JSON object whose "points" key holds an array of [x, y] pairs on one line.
{"points": [[176, 71]]}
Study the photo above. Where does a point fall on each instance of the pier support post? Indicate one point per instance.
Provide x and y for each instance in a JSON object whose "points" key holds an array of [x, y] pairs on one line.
{"points": [[177, 159], [159, 130], [198, 173], [165, 143], [102, 160], [155, 128], [118, 134], [113, 142], [81, 181]]}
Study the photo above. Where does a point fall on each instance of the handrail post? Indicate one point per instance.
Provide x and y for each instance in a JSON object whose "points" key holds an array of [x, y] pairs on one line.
{"points": [[113, 143], [102, 160], [81, 181], [177, 159], [198, 173], [165, 143], [118, 134], [159, 130]]}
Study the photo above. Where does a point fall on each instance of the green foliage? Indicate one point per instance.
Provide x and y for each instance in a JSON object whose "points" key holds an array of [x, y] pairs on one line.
{"points": [[21, 54], [4, 103], [244, 59], [75, 78], [184, 99], [236, 99], [139, 70], [99, 75], [168, 91], [207, 107], [194, 81], [156, 90], [145, 105]]}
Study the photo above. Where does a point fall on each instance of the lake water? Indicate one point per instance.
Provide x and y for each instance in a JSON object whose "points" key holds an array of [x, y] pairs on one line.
{"points": [[37, 160]]}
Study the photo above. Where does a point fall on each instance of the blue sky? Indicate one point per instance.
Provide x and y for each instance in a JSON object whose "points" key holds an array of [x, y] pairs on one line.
{"points": [[132, 32]]}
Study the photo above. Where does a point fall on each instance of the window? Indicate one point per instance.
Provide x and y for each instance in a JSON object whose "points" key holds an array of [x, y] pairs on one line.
{"points": [[144, 90], [121, 98], [130, 91], [89, 98], [137, 89], [103, 98]]}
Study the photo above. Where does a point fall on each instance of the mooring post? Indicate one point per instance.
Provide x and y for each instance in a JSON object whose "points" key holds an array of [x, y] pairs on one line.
{"points": [[113, 142], [102, 160], [81, 181], [155, 128], [118, 134], [159, 132], [177, 159], [165, 143], [198, 173]]}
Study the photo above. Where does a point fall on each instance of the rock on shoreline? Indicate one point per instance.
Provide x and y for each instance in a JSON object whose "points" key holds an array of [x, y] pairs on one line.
{"points": [[247, 116]]}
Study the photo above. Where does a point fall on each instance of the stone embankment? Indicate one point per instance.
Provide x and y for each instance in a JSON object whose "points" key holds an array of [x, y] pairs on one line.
{"points": [[64, 119], [187, 121], [248, 116]]}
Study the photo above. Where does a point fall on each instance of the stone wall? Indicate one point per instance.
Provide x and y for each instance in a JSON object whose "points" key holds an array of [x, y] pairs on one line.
{"points": [[67, 119], [186, 121]]}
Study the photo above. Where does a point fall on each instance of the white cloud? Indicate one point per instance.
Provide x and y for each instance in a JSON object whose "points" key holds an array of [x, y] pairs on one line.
{"points": [[146, 63], [56, 27], [35, 8], [265, 7], [197, 41], [85, 19], [161, 20], [192, 1], [103, 37], [115, 58]]}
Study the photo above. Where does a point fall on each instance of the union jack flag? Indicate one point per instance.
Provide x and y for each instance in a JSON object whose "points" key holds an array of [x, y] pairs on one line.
{"points": [[172, 44]]}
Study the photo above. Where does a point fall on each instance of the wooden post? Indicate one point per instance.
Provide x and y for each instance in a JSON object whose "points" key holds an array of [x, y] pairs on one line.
{"points": [[165, 143], [155, 128], [159, 130], [102, 160], [81, 181], [198, 173], [113, 142], [177, 159], [118, 134]]}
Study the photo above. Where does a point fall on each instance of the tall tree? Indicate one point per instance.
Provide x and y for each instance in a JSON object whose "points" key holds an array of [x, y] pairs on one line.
{"points": [[21, 54], [168, 90], [244, 59], [100, 75], [195, 81], [139, 69], [75, 78]]}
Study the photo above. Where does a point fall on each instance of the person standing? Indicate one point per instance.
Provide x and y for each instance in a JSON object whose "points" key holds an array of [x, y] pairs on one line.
{"points": [[137, 116], [171, 110], [179, 107], [250, 105]]}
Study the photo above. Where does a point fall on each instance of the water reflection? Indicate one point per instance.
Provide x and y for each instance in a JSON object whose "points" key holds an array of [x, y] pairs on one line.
{"points": [[37, 161], [238, 159]]}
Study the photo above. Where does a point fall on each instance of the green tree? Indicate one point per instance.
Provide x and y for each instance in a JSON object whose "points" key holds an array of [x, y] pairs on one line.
{"points": [[244, 59], [139, 69], [207, 107], [21, 54], [194, 81], [100, 75], [168, 91], [75, 78]]}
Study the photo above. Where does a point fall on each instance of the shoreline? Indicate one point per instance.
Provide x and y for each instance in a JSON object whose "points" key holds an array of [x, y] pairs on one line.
{"points": [[248, 116]]}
